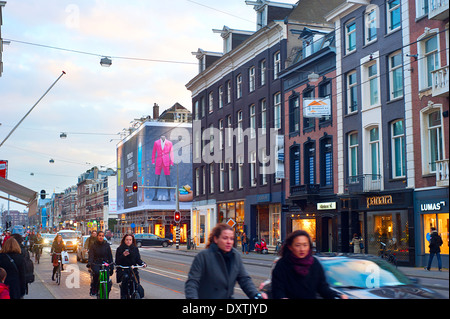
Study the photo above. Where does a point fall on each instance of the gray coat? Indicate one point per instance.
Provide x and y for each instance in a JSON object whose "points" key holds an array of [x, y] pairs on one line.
{"points": [[209, 278]]}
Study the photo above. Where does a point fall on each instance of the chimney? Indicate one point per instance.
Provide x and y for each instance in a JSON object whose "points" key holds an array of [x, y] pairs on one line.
{"points": [[155, 111]]}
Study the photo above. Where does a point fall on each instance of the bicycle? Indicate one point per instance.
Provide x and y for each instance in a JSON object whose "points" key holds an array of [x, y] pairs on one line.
{"points": [[37, 254], [58, 270], [132, 283], [388, 255], [104, 283]]}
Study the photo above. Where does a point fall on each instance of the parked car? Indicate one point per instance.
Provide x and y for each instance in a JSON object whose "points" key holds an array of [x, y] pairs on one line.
{"points": [[82, 251], [48, 238], [70, 238], [366, 277], [147, 239]]}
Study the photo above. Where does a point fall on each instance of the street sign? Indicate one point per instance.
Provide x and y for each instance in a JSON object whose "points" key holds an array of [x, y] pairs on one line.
{"points": [[231, 222], [133, 225]]}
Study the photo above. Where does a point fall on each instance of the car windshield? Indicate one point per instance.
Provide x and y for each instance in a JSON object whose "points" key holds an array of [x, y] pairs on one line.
{"points": [[67, 235], [361, 273]]}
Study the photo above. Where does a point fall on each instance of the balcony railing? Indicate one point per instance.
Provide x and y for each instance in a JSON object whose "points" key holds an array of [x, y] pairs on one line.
{"points": [[307, 189], [440, 81], [364, 183], [442, 173], [438, 9]]}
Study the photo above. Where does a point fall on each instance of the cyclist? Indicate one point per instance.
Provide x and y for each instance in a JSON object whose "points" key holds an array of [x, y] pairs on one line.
{"points": [[57, 247], [37, 246], [127, 254], [99, 253]]}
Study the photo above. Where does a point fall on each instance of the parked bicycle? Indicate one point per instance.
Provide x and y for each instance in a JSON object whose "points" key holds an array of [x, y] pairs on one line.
{"points": [[134, 290], [388, 255]]}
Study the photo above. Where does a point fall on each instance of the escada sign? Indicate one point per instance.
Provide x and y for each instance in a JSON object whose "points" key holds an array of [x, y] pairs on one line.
{"points": [[379, 200]]}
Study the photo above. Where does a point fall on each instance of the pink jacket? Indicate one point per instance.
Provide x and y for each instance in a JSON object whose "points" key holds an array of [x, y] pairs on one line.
{"points": [[163, 157], [4, 291]]}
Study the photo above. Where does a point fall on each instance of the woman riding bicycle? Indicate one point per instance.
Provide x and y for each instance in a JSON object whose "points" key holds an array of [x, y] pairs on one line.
{"points": [[57, 247], [127, 254], [99, 253]]}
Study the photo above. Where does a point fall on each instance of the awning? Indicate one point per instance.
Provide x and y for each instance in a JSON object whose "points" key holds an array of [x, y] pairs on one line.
{"points": [[16, 190]]}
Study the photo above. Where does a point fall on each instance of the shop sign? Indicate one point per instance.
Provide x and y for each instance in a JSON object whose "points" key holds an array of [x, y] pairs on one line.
{"points": [[379, 200], [325, 206], [432, 206]]}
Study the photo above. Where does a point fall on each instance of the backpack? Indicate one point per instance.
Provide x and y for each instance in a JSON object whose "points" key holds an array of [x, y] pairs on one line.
{"points": [[29, 271]]}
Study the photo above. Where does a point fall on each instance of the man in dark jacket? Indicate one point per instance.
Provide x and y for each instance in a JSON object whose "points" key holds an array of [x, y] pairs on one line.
{"points": [[435, 248], [99, 253]]}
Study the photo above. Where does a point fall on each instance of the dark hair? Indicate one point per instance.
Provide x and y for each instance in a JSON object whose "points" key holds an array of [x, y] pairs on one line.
{"points": [[2, 274], [290, 239], [18, 237], [122, 242], [216, 231]]}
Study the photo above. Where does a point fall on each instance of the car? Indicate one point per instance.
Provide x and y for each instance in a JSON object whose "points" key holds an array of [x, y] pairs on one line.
{"points": [[82, 251], [148, 239], [366, 277], [48, 238], [70, 239]]}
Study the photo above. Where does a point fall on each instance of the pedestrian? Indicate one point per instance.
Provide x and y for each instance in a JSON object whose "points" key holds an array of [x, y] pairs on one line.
{"points": [[91, 240], [244, 243], [11, 260], [57, 247], [435, 248], [357, 243], [29, 266], [298, 275], [4, 289], [99, 253], [127, 254], [6, 237], [215, 270]]}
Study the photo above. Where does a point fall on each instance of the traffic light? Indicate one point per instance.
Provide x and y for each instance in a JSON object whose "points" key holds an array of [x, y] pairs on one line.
{"points": [[43, 194], [135, 187], [177, 217], [126, 189]]}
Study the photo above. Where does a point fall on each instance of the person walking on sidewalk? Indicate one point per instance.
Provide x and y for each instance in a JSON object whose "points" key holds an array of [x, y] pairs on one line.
{"points": [[4, 289], [57, 247], [435, 248], [215, 270], [12, 261]]}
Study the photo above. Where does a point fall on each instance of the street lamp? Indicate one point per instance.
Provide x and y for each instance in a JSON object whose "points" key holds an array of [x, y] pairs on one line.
{"points": [[105, 62], [63, 135]]}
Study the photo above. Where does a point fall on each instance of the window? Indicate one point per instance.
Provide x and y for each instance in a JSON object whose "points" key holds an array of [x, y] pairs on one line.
{"points": [[308, 122], [393, 15], [263, 117], [252, 121], [277, 111], [353, 156], [204, 180], [197, 181], [374, 149], [294, 113], [325, 92], [221, 134], [253, 173], [371, 25], [196, 110], [228, 91], [251, 79], [310, 159], [398, 149], [202, 102], [263, 162], [230, 175], [421, 8], [370, 84], [210, 102], [211, 138], [294, 160], [211, 178], [350, 36], [222, 176], [262, 70], [240, 162], [220, 96], [352, 92], [434, 139], [431, 58], [230, 131], [276, 65], [326, 162], [240, 136], [395, 75], [239, 86]]}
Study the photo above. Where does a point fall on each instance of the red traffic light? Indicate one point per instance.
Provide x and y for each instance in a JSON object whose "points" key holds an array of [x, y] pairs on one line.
{"points": [[126, 190], [135, 187], [177, 217]]}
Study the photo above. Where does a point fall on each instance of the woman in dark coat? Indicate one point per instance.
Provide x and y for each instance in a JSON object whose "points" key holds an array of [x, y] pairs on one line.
{"points": [[57, 247], [215, 270], [298, 275], [127, 254], [15, 270]]}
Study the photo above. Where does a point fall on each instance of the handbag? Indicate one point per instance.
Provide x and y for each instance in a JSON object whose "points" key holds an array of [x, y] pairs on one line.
{"points": [[64, 257]]}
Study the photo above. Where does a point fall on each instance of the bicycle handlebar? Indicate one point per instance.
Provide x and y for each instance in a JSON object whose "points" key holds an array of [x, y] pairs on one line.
{"points": [[133, 266]]}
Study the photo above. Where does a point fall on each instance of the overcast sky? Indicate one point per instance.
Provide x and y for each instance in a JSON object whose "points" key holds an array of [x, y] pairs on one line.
{"points": [[93, 103]]}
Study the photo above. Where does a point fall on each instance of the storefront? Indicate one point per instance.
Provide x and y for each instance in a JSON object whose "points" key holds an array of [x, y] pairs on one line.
{"points": [[431, 210], [233, 213], [203, 220]]}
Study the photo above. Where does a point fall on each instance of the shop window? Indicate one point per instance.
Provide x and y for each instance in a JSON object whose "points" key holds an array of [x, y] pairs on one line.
{"points": [[307, 224], [441, 223]]}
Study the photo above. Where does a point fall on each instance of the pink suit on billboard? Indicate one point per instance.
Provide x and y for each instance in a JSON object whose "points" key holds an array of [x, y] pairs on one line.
{"points": [[164, 156]]}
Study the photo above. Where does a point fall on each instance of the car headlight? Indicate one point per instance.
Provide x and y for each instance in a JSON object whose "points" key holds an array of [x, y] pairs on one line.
{"points": [[45, 241]]}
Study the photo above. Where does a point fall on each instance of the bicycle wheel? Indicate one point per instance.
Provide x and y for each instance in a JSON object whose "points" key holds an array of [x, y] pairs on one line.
{"points": [[58, 275]]}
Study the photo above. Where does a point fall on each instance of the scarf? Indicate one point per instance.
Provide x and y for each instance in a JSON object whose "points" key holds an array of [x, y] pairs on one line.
{"points": [[301, 265]]}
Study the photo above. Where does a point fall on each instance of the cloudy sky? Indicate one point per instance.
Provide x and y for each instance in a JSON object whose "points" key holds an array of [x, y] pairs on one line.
{"points": [[93, 103]]}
